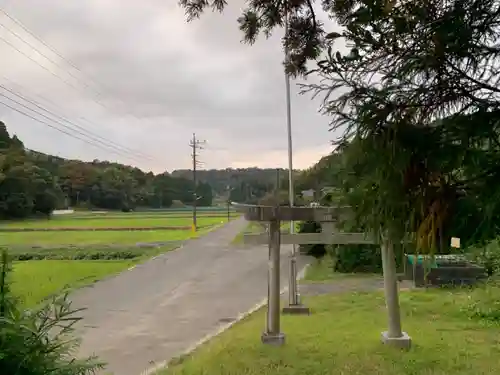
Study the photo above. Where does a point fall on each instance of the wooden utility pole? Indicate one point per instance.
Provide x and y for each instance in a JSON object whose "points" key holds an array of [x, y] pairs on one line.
{"points": [[195, 145]]}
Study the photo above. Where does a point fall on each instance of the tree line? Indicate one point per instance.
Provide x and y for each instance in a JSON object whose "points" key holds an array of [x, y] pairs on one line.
{"points": [[32, 182]]}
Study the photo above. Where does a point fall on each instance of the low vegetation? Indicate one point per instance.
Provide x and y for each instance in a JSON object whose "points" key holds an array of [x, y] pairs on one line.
{"points": [[135, 221], [38, 341], [47, 262], [323, 270], [454, 332], [255, 227]]}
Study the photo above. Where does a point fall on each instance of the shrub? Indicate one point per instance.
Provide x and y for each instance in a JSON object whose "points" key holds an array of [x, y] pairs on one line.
{"points": [[484, 302], [487, 256], [357, 258], [64, 254], [318, 251], [39, 341]]}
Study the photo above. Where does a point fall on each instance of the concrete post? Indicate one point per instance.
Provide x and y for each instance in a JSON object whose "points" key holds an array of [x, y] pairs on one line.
{"points": [[272, 335], [394, 336]]}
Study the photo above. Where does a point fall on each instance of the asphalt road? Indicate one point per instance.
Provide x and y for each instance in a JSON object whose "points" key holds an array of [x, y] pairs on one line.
{"points": [[157, 310]]}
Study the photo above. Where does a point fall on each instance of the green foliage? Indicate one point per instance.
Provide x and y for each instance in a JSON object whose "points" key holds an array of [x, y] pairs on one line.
{"points": [[318, 251], [33, 182], [487, 256], [305, 32], [357, 258], [414, 99], [244, 185], [484, 303], [38, 341]]}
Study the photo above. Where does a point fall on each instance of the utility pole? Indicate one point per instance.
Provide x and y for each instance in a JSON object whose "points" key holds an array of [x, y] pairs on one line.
{"points": [[229, 189], [195, 145], [294, 304]]}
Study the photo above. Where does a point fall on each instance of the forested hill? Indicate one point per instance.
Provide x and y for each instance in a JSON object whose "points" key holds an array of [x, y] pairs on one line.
{"points": [[245, 184], [32, 182]]}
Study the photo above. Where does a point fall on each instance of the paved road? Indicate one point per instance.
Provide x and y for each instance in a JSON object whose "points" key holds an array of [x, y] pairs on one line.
{"points": [[159, 309]]}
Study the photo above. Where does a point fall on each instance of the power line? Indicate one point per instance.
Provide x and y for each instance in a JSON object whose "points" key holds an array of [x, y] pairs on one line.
{"points": [[106, 147], [91, 134], [44, 55], [50, 71], [40, 65], [56, 52]]}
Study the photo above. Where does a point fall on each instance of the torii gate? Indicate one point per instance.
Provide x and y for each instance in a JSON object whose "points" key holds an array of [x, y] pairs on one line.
{"points": [[327, 216]]}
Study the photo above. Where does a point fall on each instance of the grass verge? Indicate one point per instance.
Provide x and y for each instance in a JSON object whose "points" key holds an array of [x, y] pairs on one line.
{"points": [[256, 227], [342, 336], [321, 270], [252, 227]]}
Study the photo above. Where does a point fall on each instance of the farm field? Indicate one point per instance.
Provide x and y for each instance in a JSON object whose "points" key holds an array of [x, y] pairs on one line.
{"points": [[48, 261], [135, 221]]}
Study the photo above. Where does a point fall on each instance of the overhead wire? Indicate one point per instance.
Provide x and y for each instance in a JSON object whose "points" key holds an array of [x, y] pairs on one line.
{"points": [[92, 140], [65, 118], [108, 143], [52, 49], [54, 127]]}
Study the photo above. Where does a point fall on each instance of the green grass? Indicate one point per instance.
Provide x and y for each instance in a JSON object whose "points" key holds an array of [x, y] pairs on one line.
{"points": [[92, 237], [322, 270], [256, 227], [35, 280], [97, 237], [342, 336], [119, 252], [152, 214], [108, 222], [252, 227]]}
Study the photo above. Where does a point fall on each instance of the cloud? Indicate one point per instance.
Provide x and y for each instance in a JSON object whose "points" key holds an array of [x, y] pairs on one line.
{"points": [[147, 80]]}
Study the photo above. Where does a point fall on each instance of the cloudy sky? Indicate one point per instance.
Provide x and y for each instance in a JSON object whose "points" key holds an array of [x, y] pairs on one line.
{"points": [[141, 77]]}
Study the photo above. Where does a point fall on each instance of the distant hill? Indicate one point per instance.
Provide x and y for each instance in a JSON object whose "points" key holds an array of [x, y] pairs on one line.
{"points": [[244, 184], [31, 182]]}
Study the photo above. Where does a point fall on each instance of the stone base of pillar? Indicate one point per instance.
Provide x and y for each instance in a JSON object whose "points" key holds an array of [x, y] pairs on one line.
{"points": [[403, 342], [276, 339], [296, 310]]}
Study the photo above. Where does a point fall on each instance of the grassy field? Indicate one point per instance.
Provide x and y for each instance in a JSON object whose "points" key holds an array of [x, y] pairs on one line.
{"points": [[47, 262], [91, 237], [35, 280], [114, 222], [454, 332]]}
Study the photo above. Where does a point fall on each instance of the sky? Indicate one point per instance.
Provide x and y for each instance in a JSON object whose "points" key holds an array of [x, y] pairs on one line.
{"points": [[141, 80]]}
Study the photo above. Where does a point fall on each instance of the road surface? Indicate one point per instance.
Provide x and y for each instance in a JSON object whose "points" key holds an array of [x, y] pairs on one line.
{"points": [[159, 309]]}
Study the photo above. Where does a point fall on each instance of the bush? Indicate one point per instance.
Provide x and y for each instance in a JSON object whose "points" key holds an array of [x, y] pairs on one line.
{"points": [[487, 257], [38, 342], [65, 254], [484, 302], [357, 258], [317, 251]]}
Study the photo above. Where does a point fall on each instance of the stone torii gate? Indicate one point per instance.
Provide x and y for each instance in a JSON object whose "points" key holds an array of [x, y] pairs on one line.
{"points": [[327, 216]]}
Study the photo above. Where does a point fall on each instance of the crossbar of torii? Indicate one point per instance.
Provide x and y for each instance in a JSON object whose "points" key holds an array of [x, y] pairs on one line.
{"points": [[327, 217]]}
